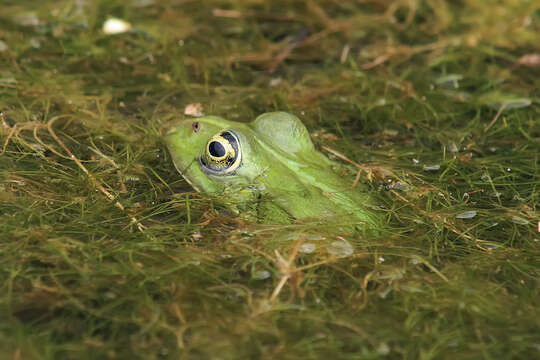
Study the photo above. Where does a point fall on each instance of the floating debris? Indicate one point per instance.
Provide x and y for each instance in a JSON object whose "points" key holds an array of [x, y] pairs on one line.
{"points": [[340, 248], [384, 293], [132, 178], [115, 26], [28, 19], [432, 168], [519, 220], [383, 349], [450, 81], [452, 147], [307, 248], [502, 102], [7, 79], [517, 103], [260, 275], [3, 46], [142, 3], [457, 95], [380, 102], [35, 43], [490, 224], [315, 237], [490, 246], [530, 60], [390, 132], [291, 236], [275, 82], [485, 177], [194, 109], [466, 215]]}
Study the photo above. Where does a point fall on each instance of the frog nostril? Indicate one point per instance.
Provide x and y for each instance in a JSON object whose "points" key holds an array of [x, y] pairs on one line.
{"points": [[216, 149]]}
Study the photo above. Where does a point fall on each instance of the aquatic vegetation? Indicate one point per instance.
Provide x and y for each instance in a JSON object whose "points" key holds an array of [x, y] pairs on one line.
{"points": [[106, 252]]}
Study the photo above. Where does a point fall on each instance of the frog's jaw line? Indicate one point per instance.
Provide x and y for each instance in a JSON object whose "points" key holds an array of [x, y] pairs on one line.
{"points": [[191, 184], [183, 172]]}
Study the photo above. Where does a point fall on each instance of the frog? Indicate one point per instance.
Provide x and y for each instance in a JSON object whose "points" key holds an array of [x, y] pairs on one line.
{"points": [[268, 168]]}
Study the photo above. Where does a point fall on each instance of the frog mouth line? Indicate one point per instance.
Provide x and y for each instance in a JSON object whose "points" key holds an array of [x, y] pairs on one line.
{"points": [[183, 172]]}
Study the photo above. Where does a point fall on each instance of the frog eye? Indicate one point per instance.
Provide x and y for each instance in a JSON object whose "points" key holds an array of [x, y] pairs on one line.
{"points": [[222, 154]]}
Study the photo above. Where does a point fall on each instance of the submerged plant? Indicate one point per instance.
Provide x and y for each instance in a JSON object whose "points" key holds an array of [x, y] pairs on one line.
{"points": [[107, 252]]}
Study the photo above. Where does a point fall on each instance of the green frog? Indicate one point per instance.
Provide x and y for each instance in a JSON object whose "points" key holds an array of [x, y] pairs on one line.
{"points": [[268, 168]]}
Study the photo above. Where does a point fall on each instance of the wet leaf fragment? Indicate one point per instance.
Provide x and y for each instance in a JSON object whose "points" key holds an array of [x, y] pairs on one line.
{"points": [[466, 215]]}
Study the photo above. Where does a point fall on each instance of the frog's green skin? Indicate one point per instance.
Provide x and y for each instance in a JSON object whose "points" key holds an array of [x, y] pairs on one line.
{"points": [[279, 174]]}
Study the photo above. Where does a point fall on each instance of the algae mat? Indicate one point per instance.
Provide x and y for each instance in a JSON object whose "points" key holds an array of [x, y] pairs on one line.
{"points": [[105, 252]]}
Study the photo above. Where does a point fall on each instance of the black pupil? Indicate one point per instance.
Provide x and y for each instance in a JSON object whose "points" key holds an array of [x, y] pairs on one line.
{"points": [[216, 149]]}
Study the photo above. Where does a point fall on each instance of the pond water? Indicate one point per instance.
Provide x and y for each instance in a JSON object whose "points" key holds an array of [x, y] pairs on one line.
{"points": [[107, 252]]}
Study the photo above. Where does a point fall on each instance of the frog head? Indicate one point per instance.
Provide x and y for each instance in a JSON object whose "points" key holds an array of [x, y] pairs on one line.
{"points": [[211, 152], [202, 151]]}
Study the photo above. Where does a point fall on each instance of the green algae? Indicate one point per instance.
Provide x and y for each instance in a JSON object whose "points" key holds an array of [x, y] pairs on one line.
{"points": [[117, 257]]}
